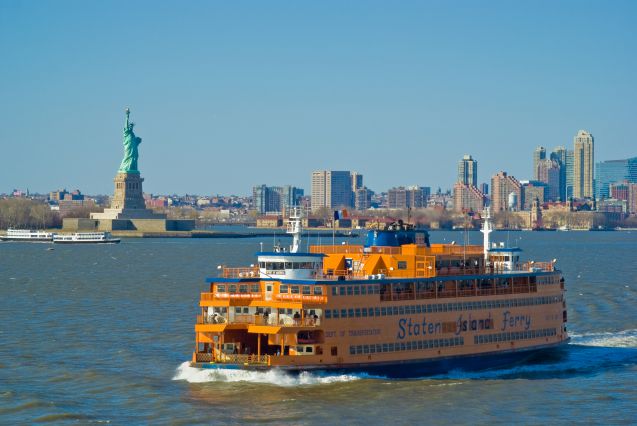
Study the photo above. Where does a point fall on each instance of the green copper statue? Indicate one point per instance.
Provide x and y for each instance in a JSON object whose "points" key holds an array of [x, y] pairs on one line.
{"points": [[131, 142]]}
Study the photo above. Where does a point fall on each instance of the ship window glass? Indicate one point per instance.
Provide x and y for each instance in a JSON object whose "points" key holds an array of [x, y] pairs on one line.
{"points": [[232, 288], [364, 312], [350, 313], [358, 312], [328, 313], [318, 290], [343, 313], [349, 290], [221, 288], [243, 288], [401, 310], [383, 311], [372, 349], [307, 290], [335, 313], [283, 288], [420, 344], [237, 310], [341, 291], [352, 350], [363, 290], [403, 346], [402, 265], [357, 290], [395, 310], [418, 309], [295, 289], [255, 288], [287, 265], [334, 291], [365, 349], [359, 350], [385, 347]]}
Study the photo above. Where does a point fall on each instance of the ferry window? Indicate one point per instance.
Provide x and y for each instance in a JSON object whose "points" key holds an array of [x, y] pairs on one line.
{"points": [[283, 288], [365, 349], [237, 310], [357, 290], [232, 288], [328, 313], [364, 312], [243, 288], [352, 350], [255, 288], [359, 350], [221, 288], [334, 291], [402, 265], [383, 311], [403, 346], [429, 309], [372, 349], [377, 312], [420, 344], [268, 287], [401, 310], [350, 313], [358, 312], [343, 313], [395, 310], [287, 265], [363, 290], [318, 290], [349, 290], [295, 289], [334, 350], [335, 313], [385, 347], [307, 290], [308, 349], [341, 291]]}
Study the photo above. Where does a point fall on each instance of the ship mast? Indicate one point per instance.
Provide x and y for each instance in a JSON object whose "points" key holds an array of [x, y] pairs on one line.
{"points": [[486, 230], [295, 229]]}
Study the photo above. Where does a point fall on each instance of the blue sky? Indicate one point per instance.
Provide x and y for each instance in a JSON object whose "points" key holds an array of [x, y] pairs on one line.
{"points": [[227, 95]]}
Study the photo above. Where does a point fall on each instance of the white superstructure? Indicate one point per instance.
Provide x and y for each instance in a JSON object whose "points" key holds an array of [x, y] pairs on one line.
{"points": [[29, 235], [85, 237]]}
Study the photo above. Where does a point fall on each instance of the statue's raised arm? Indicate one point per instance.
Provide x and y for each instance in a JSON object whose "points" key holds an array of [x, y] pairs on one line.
{"points": [[131, 142]]}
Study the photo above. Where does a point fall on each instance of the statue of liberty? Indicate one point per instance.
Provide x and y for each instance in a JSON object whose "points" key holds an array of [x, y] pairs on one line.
{"points": [[131, 142]]}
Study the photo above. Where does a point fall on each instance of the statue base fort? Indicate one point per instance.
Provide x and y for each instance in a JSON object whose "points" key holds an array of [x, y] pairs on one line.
{"points": [[128, 212]]}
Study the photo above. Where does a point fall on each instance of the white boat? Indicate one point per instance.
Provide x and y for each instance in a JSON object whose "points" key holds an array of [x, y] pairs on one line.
{"points": [[85, 238], [28, 235]]}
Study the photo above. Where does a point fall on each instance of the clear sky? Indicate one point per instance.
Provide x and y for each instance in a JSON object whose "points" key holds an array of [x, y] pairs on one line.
{"points": [[230, 94]]}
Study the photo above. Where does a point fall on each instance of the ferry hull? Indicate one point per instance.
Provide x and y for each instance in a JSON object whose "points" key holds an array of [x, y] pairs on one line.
{"points": [[87, 242], [27, 240], [418, 368]]}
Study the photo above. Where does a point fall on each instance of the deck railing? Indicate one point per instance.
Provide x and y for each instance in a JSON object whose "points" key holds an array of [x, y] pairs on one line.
{"points": [[274, 320], [231, 358], [250, 272]]}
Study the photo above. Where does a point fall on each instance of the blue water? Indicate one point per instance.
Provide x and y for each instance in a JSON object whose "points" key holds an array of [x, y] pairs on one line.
{"points": [[94, 334]]}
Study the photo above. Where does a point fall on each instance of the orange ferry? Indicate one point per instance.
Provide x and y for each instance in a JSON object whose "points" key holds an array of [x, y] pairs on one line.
{"points": [[397, 306]]}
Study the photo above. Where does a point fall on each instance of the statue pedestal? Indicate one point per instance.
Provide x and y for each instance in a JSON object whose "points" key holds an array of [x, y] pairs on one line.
{"points": [[128, 200]]}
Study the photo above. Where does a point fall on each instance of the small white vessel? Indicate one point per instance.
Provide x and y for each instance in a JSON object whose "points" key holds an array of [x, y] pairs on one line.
{"points": [[85, 238], [28, 235]]}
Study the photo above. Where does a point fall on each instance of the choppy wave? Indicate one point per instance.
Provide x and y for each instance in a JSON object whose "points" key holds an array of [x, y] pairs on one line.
{"points": [[620, 339], [273, 377]]}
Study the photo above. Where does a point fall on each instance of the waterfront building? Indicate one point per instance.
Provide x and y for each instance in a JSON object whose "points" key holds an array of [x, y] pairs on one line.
{"points": [[619, 191], [548, 171], [331, 189], [583, 165], [559, 155], [467, 198], [468, 171], [538, 155], [502, 185], [568, 187], [266, 199], [632, 198], [612, 171]]}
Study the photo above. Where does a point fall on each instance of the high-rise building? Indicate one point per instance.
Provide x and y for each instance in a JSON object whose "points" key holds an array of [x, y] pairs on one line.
{"points": [[607, 172], [402, 198], [538, 155], [363, 198], [548, 172], [290, 197], [632, 198], [467, 198], [266, 199], [484, 188], [559, 155], [531, 191], [468, 171], [583, 165], [568, 187], [502, 187], [331, 189]]}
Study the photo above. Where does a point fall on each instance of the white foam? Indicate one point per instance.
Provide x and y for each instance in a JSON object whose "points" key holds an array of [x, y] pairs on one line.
{"points": [[273, 377], [619, 339]]}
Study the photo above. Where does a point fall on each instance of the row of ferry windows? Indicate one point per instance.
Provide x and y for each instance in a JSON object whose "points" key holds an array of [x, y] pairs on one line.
{"points": [[277, 266], [284, 288], [514, 335], [355, 290], [439, 307], [406, 346]]}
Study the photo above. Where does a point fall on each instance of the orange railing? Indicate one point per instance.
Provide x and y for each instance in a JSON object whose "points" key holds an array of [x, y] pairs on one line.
{"points": [[346, 248], [231, 358], [301, 298], [250, 272]]}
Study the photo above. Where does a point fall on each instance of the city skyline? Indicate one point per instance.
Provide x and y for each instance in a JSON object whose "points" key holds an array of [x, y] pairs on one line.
{"points": [[247, 91]]}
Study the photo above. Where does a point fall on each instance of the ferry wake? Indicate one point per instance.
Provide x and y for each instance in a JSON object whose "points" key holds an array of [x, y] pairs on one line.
{"points": [[396, 306]]}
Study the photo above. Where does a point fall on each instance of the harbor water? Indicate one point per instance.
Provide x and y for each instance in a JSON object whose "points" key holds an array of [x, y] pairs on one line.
{"points": [[104, 333]]}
